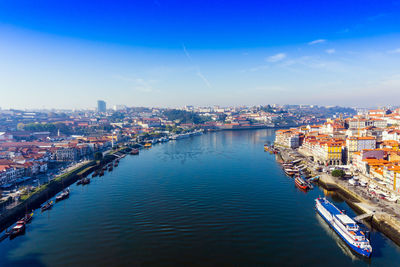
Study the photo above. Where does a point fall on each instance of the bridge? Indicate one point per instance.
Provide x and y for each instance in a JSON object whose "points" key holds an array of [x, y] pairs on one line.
{"points": [[364, 216]]}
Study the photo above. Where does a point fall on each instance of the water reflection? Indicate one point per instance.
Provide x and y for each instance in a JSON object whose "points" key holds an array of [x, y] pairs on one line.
{"points": [[339, 242]]}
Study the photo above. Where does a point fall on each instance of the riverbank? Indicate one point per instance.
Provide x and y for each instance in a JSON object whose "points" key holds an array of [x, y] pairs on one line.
{"points": [[34, 199], [382, 217]]}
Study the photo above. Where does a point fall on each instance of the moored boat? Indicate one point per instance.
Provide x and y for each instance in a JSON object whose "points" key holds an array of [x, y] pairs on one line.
{"points": [[27, 218], [47, 206], [347, 229], [301, 183], [313, 179], [19, 229], [85, 181], [134, 151], [296, 161], [63, 195], [290, 172]]}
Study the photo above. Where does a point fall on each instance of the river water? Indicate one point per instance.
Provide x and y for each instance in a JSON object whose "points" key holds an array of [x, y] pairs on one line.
{"points": [[210, 200]]}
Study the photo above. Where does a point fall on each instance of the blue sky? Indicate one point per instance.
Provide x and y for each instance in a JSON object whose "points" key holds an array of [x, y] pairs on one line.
{"points": [[68, 54]]}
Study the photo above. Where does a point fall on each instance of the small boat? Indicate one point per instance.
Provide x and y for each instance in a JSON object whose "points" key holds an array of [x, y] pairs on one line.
{"points": [[301, 183], [313, 179], [27, 218], [110, 168], [296, 161], [21, 222], [85, 181], [63, 195], [134, 151], [17, 230], [96, 173], [101, 173], [47, 206], [147, 145], [290, 172], [116, 164]]}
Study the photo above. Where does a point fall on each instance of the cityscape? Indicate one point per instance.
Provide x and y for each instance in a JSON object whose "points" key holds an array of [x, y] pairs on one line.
{"points": [[212, 133]]}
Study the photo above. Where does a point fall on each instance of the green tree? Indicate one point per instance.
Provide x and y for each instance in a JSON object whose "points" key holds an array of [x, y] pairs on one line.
{"points": [[184, 116], [20, 126], [338, 173]]}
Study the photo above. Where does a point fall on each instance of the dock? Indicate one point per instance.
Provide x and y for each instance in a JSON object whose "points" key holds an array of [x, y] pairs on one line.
{"points": [[364, 216]]}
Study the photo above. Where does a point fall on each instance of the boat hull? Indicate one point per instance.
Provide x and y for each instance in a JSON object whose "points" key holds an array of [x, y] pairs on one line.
{"points": [[302, 187]]}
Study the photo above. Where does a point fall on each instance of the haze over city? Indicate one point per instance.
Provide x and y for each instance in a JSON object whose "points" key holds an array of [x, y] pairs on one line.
{"points": [[171, 53]]}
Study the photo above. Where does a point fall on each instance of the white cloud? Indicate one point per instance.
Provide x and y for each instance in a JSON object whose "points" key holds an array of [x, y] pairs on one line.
{"points": [[319, 41], [395, 51], [330, 51], [277, 57]]}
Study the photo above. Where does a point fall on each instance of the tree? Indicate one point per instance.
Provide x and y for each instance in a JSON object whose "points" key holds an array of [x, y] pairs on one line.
{"points": [[338, 173], [20, 126], [98, 156], [184, 116]]}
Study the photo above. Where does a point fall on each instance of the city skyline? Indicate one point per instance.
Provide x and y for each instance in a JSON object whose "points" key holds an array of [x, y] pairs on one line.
{"points": [[171, 54]]}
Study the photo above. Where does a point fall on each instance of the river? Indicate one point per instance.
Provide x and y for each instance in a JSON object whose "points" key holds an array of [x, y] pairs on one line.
{"points": [[210, 200]]}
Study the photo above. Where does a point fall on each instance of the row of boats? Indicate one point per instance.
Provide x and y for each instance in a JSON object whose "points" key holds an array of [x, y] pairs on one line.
{"points": [[20, 225], [101, 171], [186, 135], [49, 204], [271, 149], [301, 179], [164, 139]]}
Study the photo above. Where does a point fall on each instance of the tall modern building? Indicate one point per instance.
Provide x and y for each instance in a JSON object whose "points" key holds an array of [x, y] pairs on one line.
{"points": [[101, 106]]}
